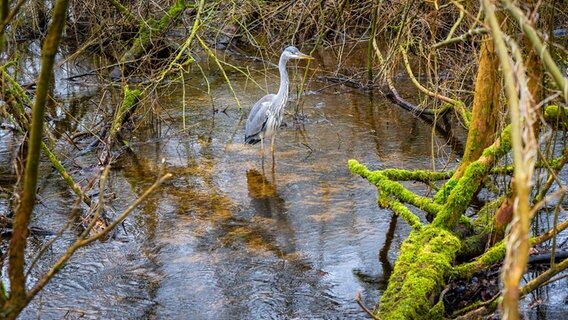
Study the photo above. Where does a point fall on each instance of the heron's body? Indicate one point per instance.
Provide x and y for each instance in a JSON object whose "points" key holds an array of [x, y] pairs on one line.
{"points": [[266, 115], [262, 113]]}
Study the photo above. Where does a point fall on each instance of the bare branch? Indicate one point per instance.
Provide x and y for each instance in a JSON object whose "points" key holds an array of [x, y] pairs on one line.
{"points": [[81, 243]]}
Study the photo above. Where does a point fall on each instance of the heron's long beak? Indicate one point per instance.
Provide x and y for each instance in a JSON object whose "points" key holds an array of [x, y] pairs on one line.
{"points": [[300, 55]]}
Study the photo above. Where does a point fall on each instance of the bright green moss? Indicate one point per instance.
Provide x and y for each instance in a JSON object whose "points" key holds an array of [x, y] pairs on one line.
{"points": [[152, 29], [401, 210], [426, 257], [424, 261], [461, 195], [437, 312], [491, 256], [503, 147], [128, 103], [416, 175], [442, 195], [394, 188], [556, 116], [554, 112]]}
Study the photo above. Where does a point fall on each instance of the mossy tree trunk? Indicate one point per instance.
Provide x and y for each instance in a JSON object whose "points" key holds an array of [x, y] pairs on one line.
{"points": [[483, 128], [486, 107]]}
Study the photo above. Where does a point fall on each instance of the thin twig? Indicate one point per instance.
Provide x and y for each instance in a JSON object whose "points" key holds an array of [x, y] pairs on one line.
{"points": [[463, 37], [217, 61], [358, 299]]}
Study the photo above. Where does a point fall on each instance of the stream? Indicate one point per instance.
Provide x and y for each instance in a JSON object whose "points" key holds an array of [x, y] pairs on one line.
{"points": [[227, 238]]}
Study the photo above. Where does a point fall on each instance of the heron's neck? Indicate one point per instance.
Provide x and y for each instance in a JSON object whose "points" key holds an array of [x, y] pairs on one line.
{"points": [[283, 91]]}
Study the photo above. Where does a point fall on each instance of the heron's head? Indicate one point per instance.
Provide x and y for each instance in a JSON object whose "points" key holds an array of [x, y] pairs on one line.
{"points": [[292, 52]]}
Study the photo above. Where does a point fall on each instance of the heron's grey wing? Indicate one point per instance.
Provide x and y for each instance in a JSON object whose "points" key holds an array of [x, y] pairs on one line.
{"points": [[257, 119]]}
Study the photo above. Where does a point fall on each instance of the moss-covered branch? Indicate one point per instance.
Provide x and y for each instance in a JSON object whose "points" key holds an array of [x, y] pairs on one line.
{"points": [[497, 253], [556, 116], [122, 114], [123, 10], [488, 228], [63, 172], [401, 210], [151, 29], [427, 254], [425, 176], [393, 188], [419, 275], [126, 109], [486, 106], [461, 192]]}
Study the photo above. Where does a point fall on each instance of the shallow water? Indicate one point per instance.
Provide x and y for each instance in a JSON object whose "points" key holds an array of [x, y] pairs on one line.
{"points": [[229, 239]]}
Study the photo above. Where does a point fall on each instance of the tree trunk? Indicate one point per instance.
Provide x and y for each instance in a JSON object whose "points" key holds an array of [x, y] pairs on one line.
{"points": [[485, 109]]}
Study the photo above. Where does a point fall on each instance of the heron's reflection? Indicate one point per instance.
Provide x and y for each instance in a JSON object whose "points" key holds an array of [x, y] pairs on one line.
{"points": [[267, 203], [264, 197]]}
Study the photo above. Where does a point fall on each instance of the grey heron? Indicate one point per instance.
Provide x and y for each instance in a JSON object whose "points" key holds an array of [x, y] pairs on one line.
{"points": [[266, 115]]}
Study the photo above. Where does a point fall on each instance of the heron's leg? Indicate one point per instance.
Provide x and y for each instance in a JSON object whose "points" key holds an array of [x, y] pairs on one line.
{"points": [[262, 150], [272, 147]]}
